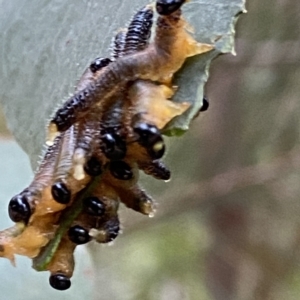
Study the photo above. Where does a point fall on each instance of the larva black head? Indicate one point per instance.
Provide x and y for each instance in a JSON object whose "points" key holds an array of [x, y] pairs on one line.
{"points": [[93, 167], [120, 170], [19, 209], [94, 206], [205, 104], [99, 63], [167, 7], [113, 146], [60, 281], [149, 137], [79, 235], [64, 117], [60, 193]]}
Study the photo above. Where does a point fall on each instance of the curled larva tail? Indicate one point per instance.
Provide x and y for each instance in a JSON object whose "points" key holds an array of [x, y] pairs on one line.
{"points": [[137, 199], [139, 31]]}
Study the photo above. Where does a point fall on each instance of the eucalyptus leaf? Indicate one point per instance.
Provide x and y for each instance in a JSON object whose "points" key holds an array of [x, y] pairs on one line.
{"points": [[47, 44]]}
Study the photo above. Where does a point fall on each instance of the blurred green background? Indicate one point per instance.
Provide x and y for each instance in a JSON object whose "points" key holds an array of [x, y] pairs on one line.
{"points": [[227, 225]]}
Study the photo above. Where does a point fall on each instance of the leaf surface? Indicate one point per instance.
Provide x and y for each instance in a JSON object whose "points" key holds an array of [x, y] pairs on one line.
{"points": [[46, 45]]}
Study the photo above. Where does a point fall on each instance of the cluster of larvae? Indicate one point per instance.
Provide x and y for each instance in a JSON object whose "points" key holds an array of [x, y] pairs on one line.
{"points": [[98, 141]]}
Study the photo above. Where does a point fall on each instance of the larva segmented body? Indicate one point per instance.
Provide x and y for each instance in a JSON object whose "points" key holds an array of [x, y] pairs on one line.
{"points": [[118, 44], [65, 185], [44, 173], [130, 193], [110, 127], [139, 31], [126, 41], [89, 127], [24, 204], [62, 264], [137, 199], [136, 36], [156, 168], [65, 155], [87, 131], [158, 62], [88, 137]]}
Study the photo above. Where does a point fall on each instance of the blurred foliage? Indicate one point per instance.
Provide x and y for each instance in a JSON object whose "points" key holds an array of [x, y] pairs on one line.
{"points": [[227, 225]]}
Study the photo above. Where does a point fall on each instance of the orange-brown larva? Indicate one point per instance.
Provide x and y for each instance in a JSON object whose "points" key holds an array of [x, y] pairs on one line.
{"points": [[110, 128], [23, 204], [62, 265], [158, 62], [126, 41], [106, 223]]}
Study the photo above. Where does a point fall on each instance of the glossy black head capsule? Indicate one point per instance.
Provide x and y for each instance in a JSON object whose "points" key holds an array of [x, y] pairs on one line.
{"points": [[167, 7], [99, 63], [113, 146], [94, 206], [78, 235], [60, 193], [60, 281], [19, 209], [149, 137], [120, 170], [66, 115], [205, 104], [93, 167]]}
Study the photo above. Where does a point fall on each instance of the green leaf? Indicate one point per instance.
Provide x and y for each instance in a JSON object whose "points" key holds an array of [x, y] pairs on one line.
{"points": [[46, 45]]}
